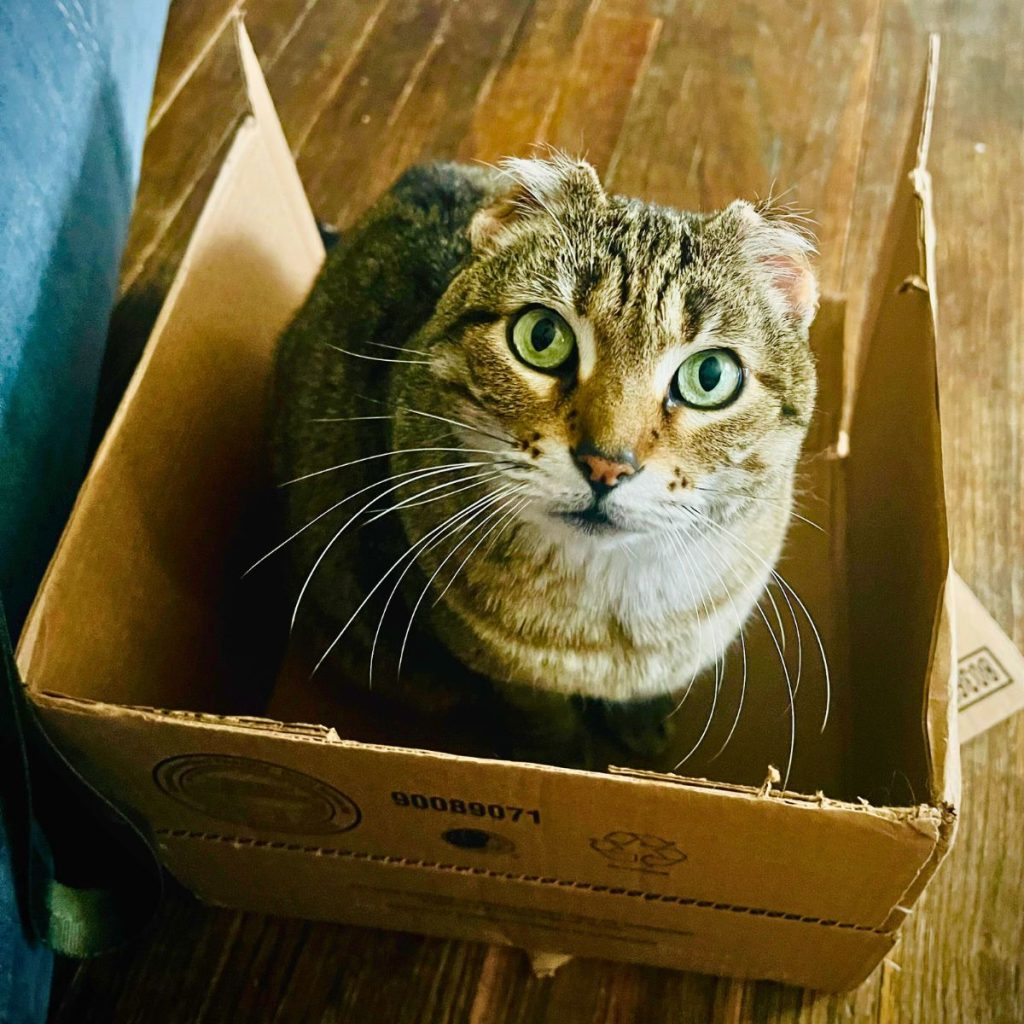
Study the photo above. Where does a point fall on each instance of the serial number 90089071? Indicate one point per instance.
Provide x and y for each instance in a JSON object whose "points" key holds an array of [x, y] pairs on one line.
{"points": [[474, 808]]}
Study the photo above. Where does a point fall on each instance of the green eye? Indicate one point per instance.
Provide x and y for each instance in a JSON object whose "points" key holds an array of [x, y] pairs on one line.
{"points": [[708, 379], [542, 339]]}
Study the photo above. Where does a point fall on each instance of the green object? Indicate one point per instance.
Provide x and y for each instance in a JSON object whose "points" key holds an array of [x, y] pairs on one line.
{"points": [[87, 879]]}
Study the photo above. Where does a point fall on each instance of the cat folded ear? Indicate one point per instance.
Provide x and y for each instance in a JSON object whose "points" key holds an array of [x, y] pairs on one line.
{"points": [[782, 254], [537, 188]]}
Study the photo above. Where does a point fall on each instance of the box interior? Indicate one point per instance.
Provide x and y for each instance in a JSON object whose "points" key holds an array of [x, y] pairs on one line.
{"points": [[146, 604]]}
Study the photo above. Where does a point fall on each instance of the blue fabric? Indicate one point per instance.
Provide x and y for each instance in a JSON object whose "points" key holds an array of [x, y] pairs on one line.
{"points": [[25, 967], [75, 85]]}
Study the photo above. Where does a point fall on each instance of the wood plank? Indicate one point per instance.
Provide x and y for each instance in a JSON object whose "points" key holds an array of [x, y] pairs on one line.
{"points": [[186, 146], [316, 59], [166, 979], [725, 110], [611, 58], [190, 133], [431, 115], [963, 947], [180, 147], [349, 125], [519, 100], [893, 115], [192, 29]]}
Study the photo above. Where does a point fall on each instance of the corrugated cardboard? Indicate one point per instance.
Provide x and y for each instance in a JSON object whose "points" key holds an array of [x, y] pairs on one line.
{"points": [[151, 666]]}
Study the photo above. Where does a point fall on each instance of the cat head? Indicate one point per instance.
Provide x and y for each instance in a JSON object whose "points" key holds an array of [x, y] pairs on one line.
{"points": [[634, 366]]}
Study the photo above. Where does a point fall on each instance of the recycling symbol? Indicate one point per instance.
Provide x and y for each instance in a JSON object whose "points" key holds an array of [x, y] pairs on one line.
{"points": [[638, 851]]}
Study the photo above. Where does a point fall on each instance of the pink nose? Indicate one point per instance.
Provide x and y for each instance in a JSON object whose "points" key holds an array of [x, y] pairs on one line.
{"points": [[605, 471]]}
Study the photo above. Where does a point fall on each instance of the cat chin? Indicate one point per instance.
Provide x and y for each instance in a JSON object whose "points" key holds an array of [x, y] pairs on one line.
{"points": [[592, 523], [581, 530]]}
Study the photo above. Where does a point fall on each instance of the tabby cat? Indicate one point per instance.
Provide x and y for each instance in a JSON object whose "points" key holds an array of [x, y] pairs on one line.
{"points": [[538, 442]]}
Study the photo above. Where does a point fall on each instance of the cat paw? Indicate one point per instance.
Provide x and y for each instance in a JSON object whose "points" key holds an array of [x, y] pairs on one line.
{"points": [[642, 727]]}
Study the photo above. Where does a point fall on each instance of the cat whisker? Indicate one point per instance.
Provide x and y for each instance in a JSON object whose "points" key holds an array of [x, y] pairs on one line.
{"points": [[809, 522], [796, 628], [743, 652], [500, 527], [459, 423], [423, 593], [395, 348], [381, 359], [416, 473], [718, 673], [778, 616], [410, 553], [689, 684], [494, 537], [452, 522], [706, 519], [764, 501], [792, 704], [478, 479], [682, 700], [782, 662], [781, 640], [696, 594], [444, 435], [773, 578], [327, 547], [785, 586], [821, 647], [348, 419], [693, 588], [384, 455], [739, 706]]}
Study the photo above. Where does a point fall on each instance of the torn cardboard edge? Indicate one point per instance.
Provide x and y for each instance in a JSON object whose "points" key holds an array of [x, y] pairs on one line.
{"points": [[242, 725]]}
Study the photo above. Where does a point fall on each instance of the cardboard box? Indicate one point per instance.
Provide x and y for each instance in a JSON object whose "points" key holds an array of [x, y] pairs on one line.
{"points": [[151, 665]]}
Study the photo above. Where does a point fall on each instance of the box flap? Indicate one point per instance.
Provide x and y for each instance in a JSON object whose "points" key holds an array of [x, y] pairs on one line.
{"points": [[899, 554], [252, 259]]}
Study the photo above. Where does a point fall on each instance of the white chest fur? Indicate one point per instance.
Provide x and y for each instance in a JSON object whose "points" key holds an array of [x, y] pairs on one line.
{"points": [[617, 620]]}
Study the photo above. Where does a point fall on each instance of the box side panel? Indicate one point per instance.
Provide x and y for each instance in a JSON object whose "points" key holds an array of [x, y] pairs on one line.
{"points": [[898, 552], [544, 914], [821, 862], [187, 437]]}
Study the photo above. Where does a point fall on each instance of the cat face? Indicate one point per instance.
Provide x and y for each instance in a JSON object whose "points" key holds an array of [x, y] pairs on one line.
{"points": [[635, 368]]}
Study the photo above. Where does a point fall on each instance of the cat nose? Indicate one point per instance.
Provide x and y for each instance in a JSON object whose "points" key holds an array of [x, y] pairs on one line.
{"points": [[605, 470]]}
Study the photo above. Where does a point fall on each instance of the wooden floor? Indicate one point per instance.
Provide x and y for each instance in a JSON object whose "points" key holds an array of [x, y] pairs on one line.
{"points": [[691, 102]]}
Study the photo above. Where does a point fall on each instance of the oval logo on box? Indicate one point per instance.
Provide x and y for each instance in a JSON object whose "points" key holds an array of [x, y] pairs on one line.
{"points": [[255, 793], [478, 840]]}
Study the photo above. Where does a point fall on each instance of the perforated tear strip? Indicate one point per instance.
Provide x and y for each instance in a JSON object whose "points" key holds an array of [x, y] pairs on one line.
{"points": [[510, 876]]}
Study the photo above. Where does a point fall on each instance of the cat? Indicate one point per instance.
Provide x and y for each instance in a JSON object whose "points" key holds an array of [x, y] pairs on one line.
{"points": [[537, 446]]}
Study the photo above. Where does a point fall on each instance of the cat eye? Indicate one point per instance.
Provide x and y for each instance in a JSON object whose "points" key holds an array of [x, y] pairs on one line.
{"points": [[542, 339], [708, 379]]}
